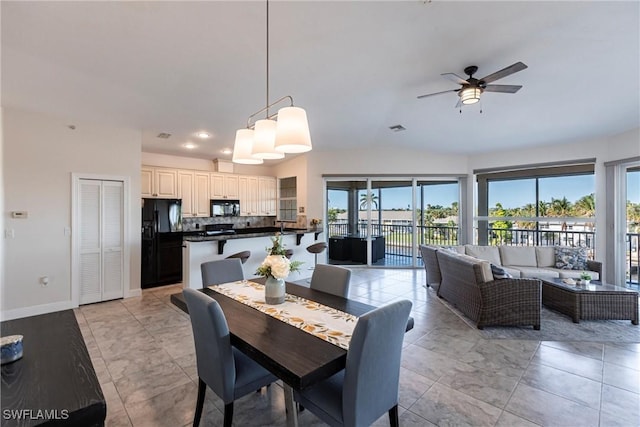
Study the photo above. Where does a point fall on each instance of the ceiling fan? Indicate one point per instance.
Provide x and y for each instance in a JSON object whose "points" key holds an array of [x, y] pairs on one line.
{"points": [[472, 88]]}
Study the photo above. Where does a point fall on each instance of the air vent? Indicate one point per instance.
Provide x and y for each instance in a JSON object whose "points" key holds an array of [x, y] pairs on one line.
{"points": [[164, 135], [397, 128]]}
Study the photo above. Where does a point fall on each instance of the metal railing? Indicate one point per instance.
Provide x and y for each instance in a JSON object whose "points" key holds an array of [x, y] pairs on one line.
{"points": [[398, 239]]}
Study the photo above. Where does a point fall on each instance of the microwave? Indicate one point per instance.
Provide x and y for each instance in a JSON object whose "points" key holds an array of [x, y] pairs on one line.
{"points": [[225, 207]]}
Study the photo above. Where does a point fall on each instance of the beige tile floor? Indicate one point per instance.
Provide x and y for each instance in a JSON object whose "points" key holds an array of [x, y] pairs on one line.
{"points": [[142, 350]]}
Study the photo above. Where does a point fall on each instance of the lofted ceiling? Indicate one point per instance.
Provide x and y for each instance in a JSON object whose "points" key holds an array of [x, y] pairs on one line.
{"points": [[356, 67]]}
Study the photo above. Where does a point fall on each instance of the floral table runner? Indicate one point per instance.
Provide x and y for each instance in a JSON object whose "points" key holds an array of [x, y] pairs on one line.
{"points": [[324, 322]]}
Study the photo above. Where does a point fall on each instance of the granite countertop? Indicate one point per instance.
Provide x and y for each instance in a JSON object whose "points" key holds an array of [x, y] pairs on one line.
{"points": [[245, 233]]}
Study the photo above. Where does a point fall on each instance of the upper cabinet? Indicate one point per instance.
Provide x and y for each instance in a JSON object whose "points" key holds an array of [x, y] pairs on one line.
{"points": [[257, 194], [159, 182], [224, 186]]}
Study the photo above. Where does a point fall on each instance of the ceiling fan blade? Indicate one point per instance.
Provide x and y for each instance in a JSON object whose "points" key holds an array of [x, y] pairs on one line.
{"points": [[502, 88], [437, 93], [514, 68], [455, 78]]}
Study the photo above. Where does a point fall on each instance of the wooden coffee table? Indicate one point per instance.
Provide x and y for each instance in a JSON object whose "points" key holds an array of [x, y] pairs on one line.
{"points": [[595, 301]]}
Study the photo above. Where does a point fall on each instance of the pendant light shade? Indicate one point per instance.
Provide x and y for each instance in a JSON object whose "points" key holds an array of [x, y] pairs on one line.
{"points": [[264, 138], [292, 131], [242, 148]]}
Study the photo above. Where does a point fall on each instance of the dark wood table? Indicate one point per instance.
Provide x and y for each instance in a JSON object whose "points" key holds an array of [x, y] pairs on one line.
{"points": [[596, 301], [297, 357], [54, 384]]}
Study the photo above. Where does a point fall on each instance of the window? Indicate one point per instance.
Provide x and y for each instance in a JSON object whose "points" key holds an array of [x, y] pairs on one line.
{"points": [[537, 207]]}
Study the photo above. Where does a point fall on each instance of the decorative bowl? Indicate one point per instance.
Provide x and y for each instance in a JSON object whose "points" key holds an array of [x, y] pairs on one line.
{"points": [[11, 348]]}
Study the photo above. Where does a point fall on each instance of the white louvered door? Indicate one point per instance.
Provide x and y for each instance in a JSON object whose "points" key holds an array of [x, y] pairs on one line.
{"points": [[101, 240]]}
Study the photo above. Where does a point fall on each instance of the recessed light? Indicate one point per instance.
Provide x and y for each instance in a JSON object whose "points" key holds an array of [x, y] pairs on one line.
{"points": [[203, 135], [189, 145], [227, 151]]}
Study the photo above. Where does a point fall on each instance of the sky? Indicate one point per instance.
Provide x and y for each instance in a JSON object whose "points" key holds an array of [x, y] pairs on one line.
{"points": [[511, 194]]}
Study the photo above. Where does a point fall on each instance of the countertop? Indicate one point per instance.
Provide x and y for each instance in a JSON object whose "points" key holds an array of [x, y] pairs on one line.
{"points": [[245, 233]]}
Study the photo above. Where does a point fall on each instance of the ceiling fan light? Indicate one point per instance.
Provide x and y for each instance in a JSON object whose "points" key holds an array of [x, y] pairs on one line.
{"points": [[470, 95], [242, 148], [292, 131], [264, 139]]}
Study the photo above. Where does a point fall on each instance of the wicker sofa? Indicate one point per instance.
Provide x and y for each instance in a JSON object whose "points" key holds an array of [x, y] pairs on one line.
{"points": [[468, 284]]}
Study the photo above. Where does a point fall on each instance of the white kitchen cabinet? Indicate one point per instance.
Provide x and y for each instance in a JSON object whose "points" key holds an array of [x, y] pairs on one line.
{"points": [[267, 191], [248, 195], [224, 186], [201, 196], [193, 189], [159, 182]]}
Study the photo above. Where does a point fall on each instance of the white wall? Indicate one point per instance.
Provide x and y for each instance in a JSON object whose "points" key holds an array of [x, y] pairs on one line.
{"points": [[374, 162], [40, 154]]}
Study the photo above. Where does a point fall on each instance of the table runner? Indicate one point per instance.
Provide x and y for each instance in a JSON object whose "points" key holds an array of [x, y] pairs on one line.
{"points": [[329, 324]]}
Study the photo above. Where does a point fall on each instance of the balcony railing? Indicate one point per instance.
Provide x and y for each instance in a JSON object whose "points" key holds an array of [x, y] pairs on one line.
{"points": [[398, 239]]}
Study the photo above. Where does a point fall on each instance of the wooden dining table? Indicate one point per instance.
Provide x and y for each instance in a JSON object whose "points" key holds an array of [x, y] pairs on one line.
{"points": [[298, 358]]}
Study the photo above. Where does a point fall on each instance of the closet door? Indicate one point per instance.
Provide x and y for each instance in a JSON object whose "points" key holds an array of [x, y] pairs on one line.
{"points": [[112, 237], [101, 240], [90, 242]]}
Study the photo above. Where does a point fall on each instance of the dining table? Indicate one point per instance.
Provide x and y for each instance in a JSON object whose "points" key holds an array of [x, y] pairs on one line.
{"points": [[298, 358]]}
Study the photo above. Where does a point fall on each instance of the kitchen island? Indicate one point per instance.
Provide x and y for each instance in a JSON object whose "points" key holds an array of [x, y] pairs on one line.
{"points": [[202, 248]]}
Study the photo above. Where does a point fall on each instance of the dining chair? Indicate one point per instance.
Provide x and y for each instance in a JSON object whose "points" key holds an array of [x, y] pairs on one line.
{"points": [[331, 279], [223, 368], [221, 271], [368, 385]]}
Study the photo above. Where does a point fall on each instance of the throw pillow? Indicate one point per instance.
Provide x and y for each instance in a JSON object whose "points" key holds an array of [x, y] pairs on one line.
{"points": [[500, 273], [571, 258]]}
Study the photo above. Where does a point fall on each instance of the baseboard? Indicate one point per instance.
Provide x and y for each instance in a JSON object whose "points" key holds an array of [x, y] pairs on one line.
{"points": [[133, 293], [18, 313]]}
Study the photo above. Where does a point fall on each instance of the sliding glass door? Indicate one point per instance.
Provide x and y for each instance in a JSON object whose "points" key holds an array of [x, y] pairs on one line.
{"points": [[381, 221]]}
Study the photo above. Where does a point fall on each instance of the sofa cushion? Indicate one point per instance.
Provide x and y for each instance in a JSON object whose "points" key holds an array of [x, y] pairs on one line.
{"points": [[458, 249], [537, 273], [487, 253], [518, 255], [486, 275], [512, 271], [546, 256], [568, 258], [574, 274], [500, 273]]}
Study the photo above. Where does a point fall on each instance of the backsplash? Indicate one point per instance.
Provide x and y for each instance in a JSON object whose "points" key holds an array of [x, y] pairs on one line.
{"points": [[189, 224]]}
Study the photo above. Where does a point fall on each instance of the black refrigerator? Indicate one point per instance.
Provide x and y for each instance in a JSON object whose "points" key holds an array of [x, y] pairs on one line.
{"points": [[161, 242]]}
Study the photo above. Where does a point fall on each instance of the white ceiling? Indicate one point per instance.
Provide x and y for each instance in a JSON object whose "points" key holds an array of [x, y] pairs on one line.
{"points": [[356, 67]]}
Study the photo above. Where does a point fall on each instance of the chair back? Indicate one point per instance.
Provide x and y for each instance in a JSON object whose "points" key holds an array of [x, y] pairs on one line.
{"points": [[221, 271], [372, 370], [430, 261], [331, 279], [214, 356]]}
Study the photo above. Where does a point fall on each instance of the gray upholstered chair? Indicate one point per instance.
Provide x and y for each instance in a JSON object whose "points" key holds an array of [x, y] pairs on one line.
{"points": [[243, 256], [221, 271], [368, 386], [331, 279], [226, 370]]}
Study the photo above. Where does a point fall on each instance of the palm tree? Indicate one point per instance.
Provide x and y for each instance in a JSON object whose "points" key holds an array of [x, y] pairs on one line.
{"points": [[562, 208], [586, 206], [366, 199]]}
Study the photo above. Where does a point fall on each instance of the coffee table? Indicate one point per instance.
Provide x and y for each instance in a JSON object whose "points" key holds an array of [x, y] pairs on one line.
{"points": [[595, 301]]}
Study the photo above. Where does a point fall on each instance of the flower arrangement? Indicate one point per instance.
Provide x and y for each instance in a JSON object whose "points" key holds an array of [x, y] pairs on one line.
{"points": [[316, 221], [276, 264]]}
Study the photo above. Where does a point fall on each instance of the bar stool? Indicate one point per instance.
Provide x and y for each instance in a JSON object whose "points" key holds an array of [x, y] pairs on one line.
{"points": [[315, 249], [244, 256], [288, 253]]}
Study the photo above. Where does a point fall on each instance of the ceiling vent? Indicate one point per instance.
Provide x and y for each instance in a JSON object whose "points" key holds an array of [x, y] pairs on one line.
{"points": [[397, 128], [164, 135]]}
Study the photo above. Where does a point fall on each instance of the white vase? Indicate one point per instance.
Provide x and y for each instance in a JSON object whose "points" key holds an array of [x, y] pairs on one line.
{"points": [[274, 290]]}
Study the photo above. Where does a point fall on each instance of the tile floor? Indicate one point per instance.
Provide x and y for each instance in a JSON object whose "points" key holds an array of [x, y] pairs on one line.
{"points": [[143, 353]]}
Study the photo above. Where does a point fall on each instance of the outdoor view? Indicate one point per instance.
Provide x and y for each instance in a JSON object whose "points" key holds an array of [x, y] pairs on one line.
{"points": [[533, 211]]}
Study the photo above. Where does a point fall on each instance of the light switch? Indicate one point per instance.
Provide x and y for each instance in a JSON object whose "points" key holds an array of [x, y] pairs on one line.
{"points": [[67, 231], [9, 233]]}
